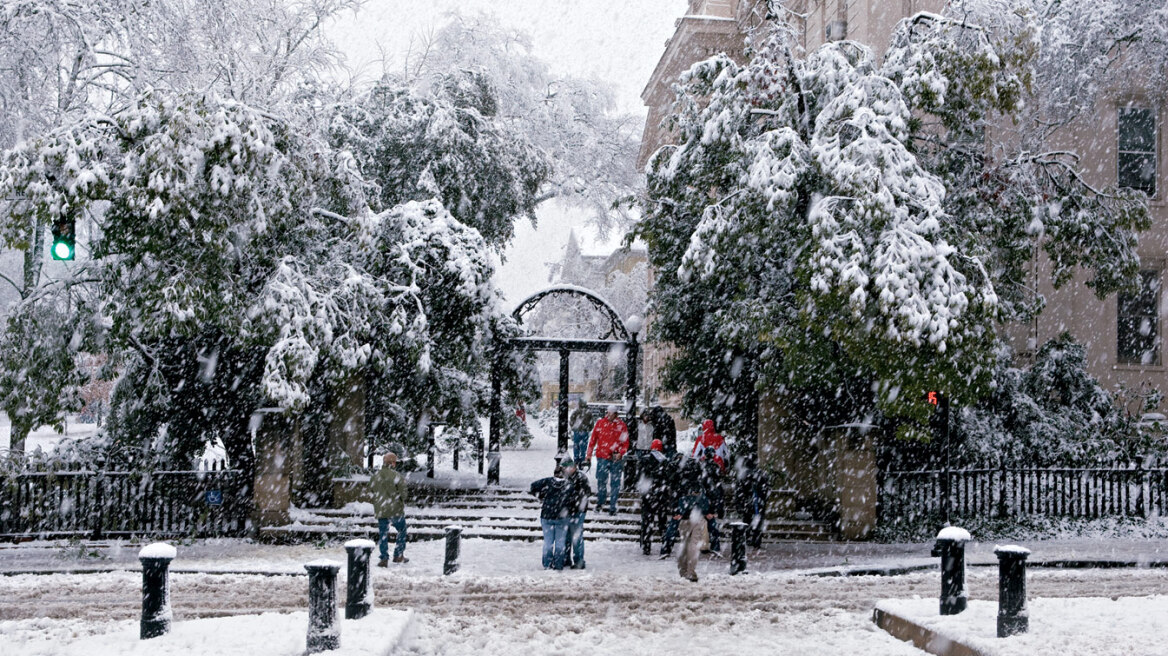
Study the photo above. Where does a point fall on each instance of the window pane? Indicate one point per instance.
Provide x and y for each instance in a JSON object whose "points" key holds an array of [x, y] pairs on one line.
{"points": [[1138, 171], [1137, 130], [1138, 322]]}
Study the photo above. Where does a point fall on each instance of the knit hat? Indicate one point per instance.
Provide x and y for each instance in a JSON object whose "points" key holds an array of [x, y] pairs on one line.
{"points": [[611, 409], [566, 463], [656, 446]]}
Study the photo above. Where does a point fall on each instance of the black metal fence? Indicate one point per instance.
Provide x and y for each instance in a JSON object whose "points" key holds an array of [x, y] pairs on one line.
{"points": [[97, 504], [1001, 493]]}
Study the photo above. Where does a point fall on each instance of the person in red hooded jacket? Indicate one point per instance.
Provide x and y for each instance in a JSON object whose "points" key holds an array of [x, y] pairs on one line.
{"points": [[710, 439], [610, 443]]}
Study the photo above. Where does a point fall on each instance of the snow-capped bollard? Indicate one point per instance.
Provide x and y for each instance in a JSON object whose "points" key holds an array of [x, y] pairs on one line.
{"points": [[324, 632], [453, 547], [358, 594], [156, 613], [950, 547], [1013, 618], [737, 547]]}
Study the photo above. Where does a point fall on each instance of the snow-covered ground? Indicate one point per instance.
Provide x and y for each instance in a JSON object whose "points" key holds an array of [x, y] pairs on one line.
{"points": [[45, 438], [502, 602], [1100, 626], [278, 634]]}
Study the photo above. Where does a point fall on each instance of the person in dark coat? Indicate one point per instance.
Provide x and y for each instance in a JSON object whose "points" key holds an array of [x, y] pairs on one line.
{"points": [[687, 474], [658, 486], [578, 493], [711, 480], [692, 514], [664, 428], [554, 491], [751, 489]]}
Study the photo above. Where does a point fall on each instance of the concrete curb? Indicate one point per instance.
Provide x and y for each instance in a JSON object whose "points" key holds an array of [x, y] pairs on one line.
{"points": [[920, 637]]}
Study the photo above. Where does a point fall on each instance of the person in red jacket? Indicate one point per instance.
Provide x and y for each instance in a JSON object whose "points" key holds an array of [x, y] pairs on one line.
{"points": [[610, 442], [710, 439]]}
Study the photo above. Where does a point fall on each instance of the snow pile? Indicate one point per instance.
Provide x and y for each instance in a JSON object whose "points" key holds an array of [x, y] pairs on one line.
{"points": [[1100, 626], [158, 550], [955, 533], [269, 634]]}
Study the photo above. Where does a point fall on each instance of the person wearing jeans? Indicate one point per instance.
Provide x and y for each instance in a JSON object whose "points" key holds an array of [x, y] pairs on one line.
{"points": [[389, 494], [610, 443], [580, 422], [578, 494], [399, 525], [554, 492]]}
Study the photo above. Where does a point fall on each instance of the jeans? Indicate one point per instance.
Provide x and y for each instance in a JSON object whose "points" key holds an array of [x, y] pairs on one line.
{"points": [[399, 525], [576, 539], [555, 542], [579, 447], [670, 537], [715, 534], [608, 482]]}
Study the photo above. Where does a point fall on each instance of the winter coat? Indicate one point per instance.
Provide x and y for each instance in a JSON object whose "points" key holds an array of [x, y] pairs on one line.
{"points": [[751, 489], [711, 478], [609, 438], [710, 439], [664, 429], [555, 494], [579, 493], [660, 480], [581, 420], [388, 492], [692, 505]]}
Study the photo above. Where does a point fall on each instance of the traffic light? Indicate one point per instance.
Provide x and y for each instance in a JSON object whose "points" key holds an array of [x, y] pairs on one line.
{"points": [[63, 242]]}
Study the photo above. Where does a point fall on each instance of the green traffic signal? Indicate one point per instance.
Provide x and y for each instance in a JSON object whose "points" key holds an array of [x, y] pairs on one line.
{"points": [[62, 249], [63, 233]]}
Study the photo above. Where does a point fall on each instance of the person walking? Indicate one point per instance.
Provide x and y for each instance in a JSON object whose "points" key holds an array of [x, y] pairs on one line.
{"points": [[581, 423], [711, 480], [388, 491], [664, 428], [710, 439], [578, 493], [553, 491], [691, 513], [751, 489], [610, 442], [658, 483]]}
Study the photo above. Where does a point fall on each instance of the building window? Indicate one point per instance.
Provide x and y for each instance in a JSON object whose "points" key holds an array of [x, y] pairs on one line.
{"points": [[1137, 149], [1138, 329]]}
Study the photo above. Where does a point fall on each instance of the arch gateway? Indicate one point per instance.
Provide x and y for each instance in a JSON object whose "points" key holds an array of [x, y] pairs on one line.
{"points": [[616, 334]]}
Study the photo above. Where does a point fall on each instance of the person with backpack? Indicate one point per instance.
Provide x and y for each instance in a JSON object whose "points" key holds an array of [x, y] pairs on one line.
{"points": [[691, 513], [658, 485], [751, 489], [554, 492]]}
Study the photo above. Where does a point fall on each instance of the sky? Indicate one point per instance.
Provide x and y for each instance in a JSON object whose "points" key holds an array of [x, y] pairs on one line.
{"points": [[618, 41]]}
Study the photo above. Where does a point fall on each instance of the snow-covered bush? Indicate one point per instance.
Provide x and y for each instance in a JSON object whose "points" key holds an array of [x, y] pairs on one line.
{"points": [[1054, 414]]}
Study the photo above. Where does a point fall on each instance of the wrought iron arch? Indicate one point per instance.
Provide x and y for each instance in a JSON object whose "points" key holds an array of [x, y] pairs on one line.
{"points": [[616, 329]]}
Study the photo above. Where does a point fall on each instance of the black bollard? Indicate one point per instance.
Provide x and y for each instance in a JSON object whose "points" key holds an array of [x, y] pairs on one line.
{"points": [[156, 613], [950, 546], [737, 547], [1013, 618], [453, 538], [358, 594], [324, 632]]}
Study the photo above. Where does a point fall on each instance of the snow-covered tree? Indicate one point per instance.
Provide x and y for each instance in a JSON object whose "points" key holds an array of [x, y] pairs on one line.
{"points": [[571, 120], [447, 143], [829, 226], [221, 278]]}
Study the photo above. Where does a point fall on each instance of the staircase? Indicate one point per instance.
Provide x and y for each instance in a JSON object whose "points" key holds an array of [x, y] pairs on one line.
{"points": [[496, 513]]}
